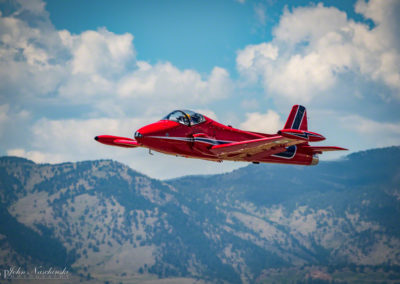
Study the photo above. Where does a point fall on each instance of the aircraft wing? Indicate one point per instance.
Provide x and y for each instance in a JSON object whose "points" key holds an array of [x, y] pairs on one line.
{"points": [[117, 141], [252, 148]]}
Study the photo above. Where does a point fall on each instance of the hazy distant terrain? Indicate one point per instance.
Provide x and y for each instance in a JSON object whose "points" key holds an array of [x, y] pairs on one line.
{"points": [[262, 223]]}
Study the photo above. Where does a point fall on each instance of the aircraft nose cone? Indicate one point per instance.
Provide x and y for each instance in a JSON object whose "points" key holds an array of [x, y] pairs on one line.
{"points": [[147, 130]]}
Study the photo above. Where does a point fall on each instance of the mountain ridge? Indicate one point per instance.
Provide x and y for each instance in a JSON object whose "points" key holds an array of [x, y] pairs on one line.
{"points": [[107, 221]]}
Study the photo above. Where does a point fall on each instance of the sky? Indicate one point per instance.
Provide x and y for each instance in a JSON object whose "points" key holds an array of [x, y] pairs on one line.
{"points": [[71, 70]]}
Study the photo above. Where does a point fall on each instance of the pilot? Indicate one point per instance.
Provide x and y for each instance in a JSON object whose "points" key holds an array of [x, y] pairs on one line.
{"points": [[188, 117], [195, 118], [183, 119]]}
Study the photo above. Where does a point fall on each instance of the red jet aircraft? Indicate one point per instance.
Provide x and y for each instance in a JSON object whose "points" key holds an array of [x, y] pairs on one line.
{"points": [[193, 135]]}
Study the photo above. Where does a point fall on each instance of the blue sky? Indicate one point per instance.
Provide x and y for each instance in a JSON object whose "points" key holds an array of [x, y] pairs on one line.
{"points": [[70, 70], [191, 34]]}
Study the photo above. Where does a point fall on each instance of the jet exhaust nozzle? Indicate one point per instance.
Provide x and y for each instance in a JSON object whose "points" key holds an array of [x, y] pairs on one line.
{"points": [[315, 160]]}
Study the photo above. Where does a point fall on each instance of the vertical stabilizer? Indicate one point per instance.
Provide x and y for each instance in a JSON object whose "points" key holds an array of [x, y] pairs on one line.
{"points": [[297, 118]]}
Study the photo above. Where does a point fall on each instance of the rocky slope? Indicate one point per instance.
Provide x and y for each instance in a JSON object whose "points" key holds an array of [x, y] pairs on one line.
{"points": [[104, 221]]}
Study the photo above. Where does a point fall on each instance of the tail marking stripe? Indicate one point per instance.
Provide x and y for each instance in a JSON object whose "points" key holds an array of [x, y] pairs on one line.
{"points": [[299, 117]]}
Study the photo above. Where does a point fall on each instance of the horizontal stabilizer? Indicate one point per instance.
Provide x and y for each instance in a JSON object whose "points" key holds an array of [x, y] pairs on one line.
{"points": [[117, 141], [320, 149], [301, 134]]}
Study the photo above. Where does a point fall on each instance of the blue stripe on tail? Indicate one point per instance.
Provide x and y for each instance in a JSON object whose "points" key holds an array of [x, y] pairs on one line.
{"points": [[299, 117]]}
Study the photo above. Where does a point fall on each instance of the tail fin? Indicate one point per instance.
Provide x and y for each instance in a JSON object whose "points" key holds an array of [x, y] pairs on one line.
{"points": [[297, 118]]}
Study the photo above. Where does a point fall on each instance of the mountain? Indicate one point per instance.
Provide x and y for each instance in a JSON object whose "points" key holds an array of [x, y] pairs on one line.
{"points": [[103, 221]]}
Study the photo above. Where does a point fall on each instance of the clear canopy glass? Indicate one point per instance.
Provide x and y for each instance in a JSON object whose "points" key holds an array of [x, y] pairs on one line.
{"points": [[186, 117]]}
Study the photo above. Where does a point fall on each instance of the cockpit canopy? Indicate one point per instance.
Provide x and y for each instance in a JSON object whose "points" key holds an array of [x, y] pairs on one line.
{"points": [[186, 117]]}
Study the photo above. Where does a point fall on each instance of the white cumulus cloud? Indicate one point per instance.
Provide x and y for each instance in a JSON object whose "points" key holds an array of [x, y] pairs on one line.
{"points": [[167, 82], [313, 47], [95, 67], [381, 134], [269, 122]]}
